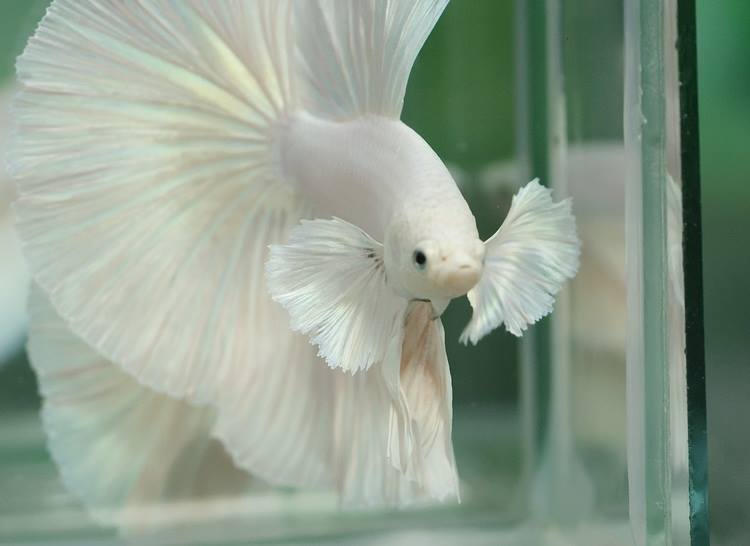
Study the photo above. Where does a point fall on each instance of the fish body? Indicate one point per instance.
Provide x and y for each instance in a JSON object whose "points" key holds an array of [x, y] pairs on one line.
{"points": [[219, 199], [380, 175]]}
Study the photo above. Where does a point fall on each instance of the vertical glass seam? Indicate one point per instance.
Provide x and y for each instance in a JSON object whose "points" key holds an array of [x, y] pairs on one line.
{"points": [[654, 177], [693, 272], [532, 141], [648, 400]]}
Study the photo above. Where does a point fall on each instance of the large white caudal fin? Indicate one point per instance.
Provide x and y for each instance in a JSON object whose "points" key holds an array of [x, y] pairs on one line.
{"points": [[148, 192], [276, 422], [126, 451], [528, 259], [355, 56], [381, 438]]}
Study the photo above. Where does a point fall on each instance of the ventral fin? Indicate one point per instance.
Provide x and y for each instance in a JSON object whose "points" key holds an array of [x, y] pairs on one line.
{"points": [[527, 260], [331, 279], [425, 381], [394, 422]]}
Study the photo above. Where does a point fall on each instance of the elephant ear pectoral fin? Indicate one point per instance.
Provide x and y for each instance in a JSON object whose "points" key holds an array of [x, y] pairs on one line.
{"points": [[527, 261], [330, 277]]}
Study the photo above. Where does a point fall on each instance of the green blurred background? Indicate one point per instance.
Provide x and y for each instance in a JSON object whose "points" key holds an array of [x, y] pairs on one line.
{"points": [[475, 126], [724, 69]]}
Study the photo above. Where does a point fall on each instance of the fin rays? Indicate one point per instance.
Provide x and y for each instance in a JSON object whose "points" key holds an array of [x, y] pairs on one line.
{"points": [[116, 442], [355, 55], [400, 408], [330, 279], [531, 255], [149, 194], [146, 177]]}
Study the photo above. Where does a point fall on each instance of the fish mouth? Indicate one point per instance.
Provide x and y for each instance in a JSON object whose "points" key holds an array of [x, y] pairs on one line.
{"points": [[458, 278]]}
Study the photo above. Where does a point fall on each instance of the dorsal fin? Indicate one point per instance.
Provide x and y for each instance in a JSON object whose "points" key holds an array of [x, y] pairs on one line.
{"points": [[354, 56]]}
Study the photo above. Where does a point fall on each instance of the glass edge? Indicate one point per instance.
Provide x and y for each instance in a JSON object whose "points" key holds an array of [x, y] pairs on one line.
{"points": [[531, 153], [693, 272]]}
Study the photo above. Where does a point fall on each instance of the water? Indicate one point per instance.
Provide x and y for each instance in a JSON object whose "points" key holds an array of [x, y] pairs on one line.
{"points": [[503, 93]]}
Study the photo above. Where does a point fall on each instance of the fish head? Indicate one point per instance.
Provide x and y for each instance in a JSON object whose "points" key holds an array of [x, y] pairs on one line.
{"points": [[437, 265], [431, 244]]}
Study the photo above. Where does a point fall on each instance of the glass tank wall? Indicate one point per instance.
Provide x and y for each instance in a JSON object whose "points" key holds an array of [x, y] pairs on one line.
{"points": [[591, 430]]}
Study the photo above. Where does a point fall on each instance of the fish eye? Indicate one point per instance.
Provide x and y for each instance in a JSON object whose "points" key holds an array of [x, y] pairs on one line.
{"points": [[420, 259]]}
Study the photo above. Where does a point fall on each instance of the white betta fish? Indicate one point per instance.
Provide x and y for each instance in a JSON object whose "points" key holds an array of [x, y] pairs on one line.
{"points": [[162, 147]]}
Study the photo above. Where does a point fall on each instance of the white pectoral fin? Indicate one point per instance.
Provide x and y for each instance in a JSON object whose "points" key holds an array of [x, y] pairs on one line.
{"points": [[331, 279], [354, 56], [528, 259]]}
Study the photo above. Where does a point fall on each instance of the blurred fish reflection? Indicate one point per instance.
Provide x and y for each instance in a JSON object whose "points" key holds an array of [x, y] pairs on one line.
{"points": [[14, 276]]}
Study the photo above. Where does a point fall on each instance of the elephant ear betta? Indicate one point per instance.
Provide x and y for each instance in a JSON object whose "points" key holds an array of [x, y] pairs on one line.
{"points": [[205, 186]]}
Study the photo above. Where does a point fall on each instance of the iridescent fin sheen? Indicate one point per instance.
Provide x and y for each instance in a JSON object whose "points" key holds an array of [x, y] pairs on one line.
{"points": [[126, 451], [355, 56], [277, 421], [331, 279], [148, 189], [527, 260]]}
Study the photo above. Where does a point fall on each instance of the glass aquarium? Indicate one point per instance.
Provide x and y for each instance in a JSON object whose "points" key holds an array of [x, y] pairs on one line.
{"points": [[588, 430]]}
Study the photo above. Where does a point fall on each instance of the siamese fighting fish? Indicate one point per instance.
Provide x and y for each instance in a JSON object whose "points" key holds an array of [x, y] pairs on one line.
{"points": [[218, 198]]}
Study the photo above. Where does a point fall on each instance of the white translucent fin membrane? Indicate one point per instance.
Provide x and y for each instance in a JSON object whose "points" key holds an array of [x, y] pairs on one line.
{"points": [[126, 451], [355, 56], [426, 385], [535, 250], [380, 438], [331, 278], [277, 421], [148, 189], [394, 422]]}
